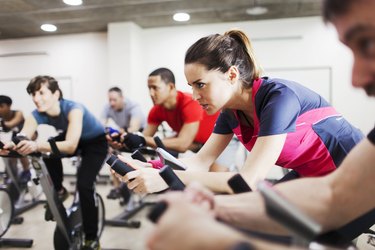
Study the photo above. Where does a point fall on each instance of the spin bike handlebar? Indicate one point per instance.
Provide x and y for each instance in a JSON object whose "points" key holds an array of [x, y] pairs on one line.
{"points": [[15, 154], [167, 173], [160, 144], [55, 152], [174, 183], [238, 184]]}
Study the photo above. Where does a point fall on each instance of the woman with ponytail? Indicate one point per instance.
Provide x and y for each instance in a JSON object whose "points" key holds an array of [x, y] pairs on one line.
{"points": [[280, 122]]}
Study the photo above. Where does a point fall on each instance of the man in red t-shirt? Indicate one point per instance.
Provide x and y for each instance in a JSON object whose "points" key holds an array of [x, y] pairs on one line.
{"points": [[183, 114]]}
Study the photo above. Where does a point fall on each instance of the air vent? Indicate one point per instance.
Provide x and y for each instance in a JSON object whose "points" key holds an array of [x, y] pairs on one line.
{"points": [[36, 53]]}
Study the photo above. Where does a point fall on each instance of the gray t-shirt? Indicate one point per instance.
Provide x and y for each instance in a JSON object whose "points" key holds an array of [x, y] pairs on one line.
{"points": [[122, 118]]}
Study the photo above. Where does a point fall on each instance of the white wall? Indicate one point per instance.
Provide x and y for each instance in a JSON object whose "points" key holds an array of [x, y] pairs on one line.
{"points": [[81, 58], [301, 43], [127, 54]]}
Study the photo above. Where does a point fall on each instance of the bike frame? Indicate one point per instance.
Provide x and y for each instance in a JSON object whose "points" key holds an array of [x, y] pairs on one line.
{"points": [[57, 208]]}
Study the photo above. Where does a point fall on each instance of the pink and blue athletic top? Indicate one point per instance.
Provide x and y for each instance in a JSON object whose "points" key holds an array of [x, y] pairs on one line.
{"points": [[318, 137]]}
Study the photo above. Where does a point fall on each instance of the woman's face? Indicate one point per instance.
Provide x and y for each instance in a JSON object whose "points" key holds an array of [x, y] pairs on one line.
{"points": [[212, 89], [44, 99]]}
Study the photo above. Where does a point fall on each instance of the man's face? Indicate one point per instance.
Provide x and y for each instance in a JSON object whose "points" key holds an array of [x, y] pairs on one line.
{"points": [[159, 90], [4, 110], [356, 30], [116, 101]]}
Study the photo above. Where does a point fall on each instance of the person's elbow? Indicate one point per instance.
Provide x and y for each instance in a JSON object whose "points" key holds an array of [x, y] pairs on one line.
{"points": [[71, 148]]}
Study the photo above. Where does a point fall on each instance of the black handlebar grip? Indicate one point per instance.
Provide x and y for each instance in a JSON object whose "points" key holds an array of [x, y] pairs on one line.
{"points": [[1, 145], [120, 167], [238, 184], [18, 138], [170, 177], [55, 150], [159, 143], [138, 156], [174, 183], [156, 212], [243, 246]]}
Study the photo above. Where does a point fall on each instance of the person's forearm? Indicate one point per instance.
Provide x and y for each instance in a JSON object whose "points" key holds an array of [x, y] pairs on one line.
{"points": [[313, 196], [150, 141], [246, 211], [63, 146], [177, 144], [215, 181], [10, 124], [135, 125]]}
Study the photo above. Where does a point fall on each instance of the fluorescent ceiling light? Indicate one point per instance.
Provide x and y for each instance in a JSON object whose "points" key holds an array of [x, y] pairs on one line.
{"points": [[181, 17], [73, 2], [48, 27], [257, 10]]}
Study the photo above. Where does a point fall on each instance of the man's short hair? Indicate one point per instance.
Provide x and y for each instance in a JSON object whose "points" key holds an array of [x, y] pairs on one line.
{"points": [[334, 8], [5, 100], [165, 74], [115, 89]]}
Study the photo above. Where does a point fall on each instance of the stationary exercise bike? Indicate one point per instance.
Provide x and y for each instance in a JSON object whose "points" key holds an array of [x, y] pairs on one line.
{"points": [[68, 234], [25, 195], [8, 213], [134, 206]]}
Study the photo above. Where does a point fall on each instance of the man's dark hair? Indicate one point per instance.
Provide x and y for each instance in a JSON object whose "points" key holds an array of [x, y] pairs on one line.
{"points": [[115, 89], [165, 74], [334, 8], [5, 100], [37, 82]]}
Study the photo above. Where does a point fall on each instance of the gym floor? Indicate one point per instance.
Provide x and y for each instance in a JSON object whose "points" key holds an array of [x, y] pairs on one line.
{"points": [[113, 238]]}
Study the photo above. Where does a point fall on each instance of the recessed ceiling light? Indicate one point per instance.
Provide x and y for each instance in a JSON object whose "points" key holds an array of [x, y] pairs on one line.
{"points": [[73, 2], [48, 27], [181, 17], [257, 10]]}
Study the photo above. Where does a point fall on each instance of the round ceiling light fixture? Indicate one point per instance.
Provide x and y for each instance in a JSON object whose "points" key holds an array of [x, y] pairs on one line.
{"points": [[181, 17], [256, 11], [73, 2], [48, 27]]}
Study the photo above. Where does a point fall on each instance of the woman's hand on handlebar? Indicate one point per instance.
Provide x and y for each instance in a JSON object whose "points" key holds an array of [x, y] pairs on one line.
{"points": [[6, 148], [26, 147], [4, 152], [144, 179]]}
